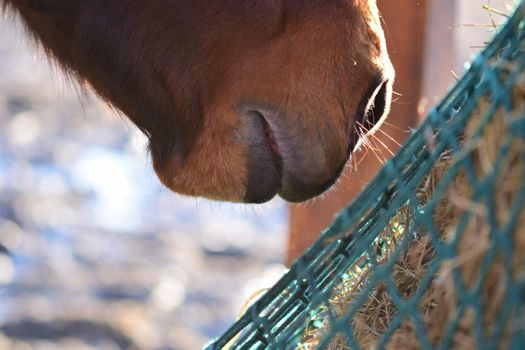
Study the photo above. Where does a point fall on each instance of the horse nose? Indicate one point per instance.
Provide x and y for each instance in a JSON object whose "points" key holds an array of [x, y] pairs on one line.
{"points": [[375, 104]]}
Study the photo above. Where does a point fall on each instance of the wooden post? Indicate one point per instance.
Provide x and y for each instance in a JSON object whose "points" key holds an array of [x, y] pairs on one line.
{"points": [[404, 24], [440, 52]]}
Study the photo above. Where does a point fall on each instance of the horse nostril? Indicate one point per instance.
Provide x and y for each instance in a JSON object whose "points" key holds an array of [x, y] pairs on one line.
{"points": [[377, 107], [374, 105]]}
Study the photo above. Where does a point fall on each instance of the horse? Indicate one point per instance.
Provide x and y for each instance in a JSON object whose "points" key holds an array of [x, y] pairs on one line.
{"points": [[241, 100]]}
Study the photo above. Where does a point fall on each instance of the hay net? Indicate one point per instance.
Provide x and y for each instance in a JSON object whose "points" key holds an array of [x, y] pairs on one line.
{"points": [[432, 253]]}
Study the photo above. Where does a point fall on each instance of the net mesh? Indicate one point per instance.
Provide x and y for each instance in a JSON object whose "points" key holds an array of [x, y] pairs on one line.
{"points": [[432, 253]]}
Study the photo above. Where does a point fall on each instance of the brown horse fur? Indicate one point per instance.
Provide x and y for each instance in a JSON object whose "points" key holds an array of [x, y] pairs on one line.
{"points": [[240, 99]]}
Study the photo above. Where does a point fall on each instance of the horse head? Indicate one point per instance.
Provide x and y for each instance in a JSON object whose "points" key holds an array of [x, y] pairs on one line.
{"points": [[241, 100]]}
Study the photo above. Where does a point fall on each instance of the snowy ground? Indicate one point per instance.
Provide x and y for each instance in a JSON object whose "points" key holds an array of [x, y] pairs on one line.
{"points": [[94, 252]]}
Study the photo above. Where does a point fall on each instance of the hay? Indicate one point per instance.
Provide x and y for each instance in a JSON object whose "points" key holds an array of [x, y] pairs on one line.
{"points": [[439, 304]]}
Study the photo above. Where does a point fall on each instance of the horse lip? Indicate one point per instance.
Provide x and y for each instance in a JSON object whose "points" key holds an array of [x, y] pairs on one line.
{"points": [[282, 156], [271, 139], [265, 162], [266, 115]]}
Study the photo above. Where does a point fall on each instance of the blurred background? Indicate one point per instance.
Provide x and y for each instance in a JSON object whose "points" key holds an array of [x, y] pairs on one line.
{"points": [[96, 254]]}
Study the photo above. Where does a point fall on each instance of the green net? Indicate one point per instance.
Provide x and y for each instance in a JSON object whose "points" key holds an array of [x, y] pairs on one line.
{"points": [[432, 253]]}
